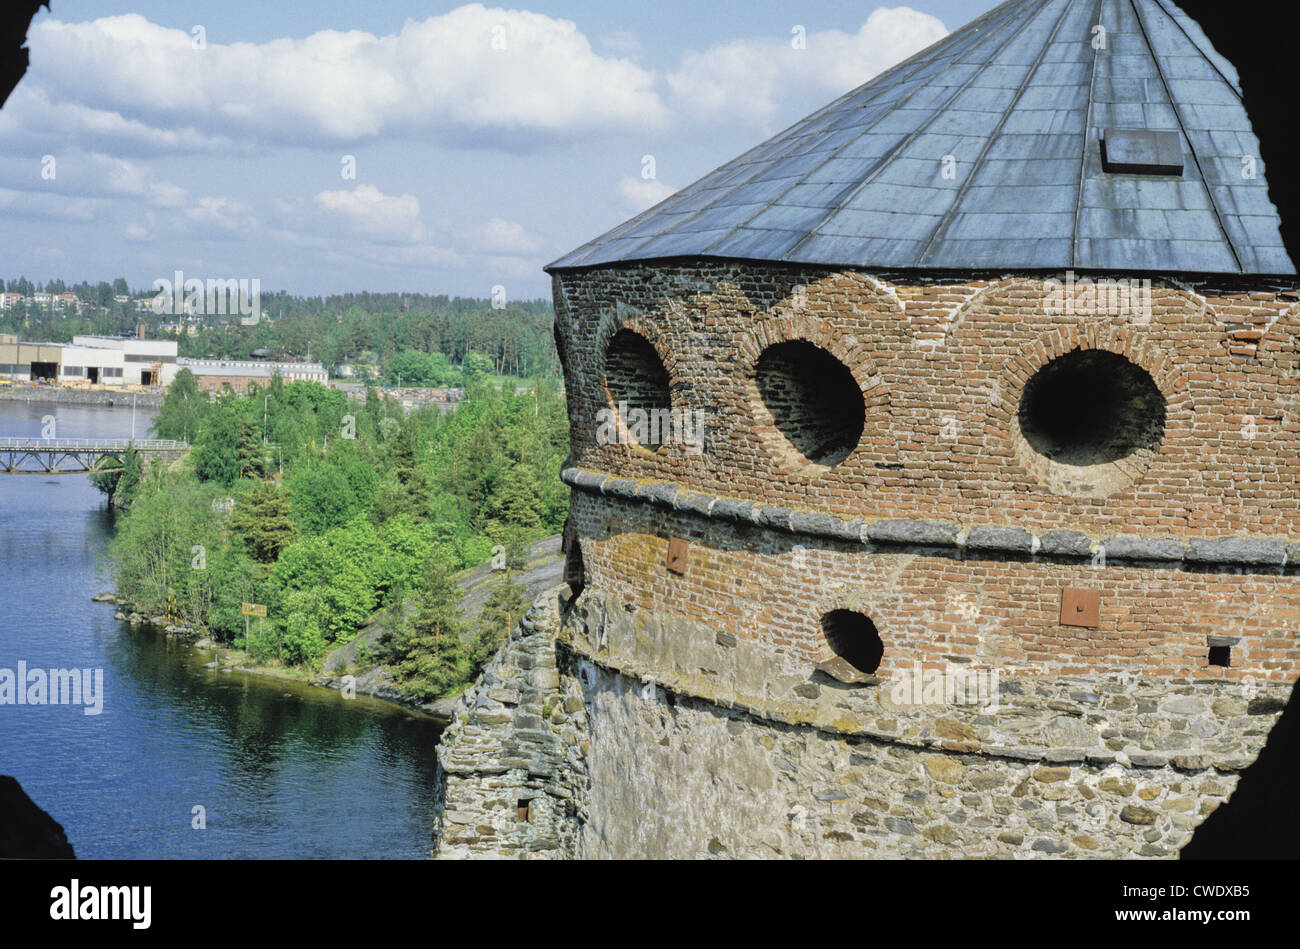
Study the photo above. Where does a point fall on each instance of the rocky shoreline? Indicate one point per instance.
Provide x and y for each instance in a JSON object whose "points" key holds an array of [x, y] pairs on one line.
{"points": [[542, 571], [142, 400], [372, 682]]}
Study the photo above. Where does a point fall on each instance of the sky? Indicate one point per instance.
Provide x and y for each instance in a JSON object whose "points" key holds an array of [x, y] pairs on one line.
{"points": [[334, 146]]}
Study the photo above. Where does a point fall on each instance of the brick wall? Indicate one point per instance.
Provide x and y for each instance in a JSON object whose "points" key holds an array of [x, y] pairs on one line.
{"points": [[207, 383], [941, 364], [993, 612]]}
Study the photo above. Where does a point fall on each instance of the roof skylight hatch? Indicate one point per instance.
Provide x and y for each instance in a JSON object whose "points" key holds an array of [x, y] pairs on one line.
{"points": [[1141, 152]]}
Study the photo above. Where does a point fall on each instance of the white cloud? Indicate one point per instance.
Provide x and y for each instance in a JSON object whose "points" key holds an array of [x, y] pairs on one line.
{"points": [[506, 237], [80, 185], [52, 207], [32, 123], [749, 79], [371, 213], [361, 224], [637, 194], [440, 79], [221, 214]]}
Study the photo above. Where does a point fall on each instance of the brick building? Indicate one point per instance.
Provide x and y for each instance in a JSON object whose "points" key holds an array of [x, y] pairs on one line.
{"points": [[215, 375], [995, 361]]}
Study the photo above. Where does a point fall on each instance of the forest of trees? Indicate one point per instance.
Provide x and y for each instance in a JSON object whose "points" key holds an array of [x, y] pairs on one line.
{"points": [[516, 340], [511, 339], [327, 511]]}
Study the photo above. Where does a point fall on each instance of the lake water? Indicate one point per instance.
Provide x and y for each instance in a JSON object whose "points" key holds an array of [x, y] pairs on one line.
{"points": [[281, 770]]}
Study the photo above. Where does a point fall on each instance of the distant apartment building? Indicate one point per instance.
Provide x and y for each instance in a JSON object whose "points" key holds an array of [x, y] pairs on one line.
{"points": [[10, 300], [214, 375], [177, 329]]}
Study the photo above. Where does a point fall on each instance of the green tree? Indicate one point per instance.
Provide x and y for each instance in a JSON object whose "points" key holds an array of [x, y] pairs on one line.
{"points": [[159, 553], [182, 409], [504, 607], [215, 453], [250, 451], [262, 518], [428, 658], [476, 365], [129, 484], [519, 502], [322, 498], [121, 483], [235, 579], [409, 472]]}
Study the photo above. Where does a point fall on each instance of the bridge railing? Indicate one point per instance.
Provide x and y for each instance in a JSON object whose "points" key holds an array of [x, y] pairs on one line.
{"points": [[91, 444]]}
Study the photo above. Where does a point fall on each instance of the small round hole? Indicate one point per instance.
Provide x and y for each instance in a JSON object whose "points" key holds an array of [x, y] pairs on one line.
{"points": [[853, 637]]}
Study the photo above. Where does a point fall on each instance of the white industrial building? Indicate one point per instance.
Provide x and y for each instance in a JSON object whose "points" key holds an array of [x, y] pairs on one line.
{"points": [[144, 362], [97, 360]]}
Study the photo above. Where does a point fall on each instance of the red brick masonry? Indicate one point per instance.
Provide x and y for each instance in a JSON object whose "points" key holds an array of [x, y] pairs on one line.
{"points": [[942, 364]]}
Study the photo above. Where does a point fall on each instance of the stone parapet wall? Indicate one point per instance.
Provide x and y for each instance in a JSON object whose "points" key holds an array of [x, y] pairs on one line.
{"points": [[1247, 552], [511, 778]]}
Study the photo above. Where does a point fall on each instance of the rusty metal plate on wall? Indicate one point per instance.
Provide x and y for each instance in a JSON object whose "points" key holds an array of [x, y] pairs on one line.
{"points": [[677, 549], [1081, 608]]}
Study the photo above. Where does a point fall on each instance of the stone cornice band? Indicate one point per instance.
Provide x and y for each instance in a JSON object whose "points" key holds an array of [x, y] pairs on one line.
{"points": [[1220, 551]]}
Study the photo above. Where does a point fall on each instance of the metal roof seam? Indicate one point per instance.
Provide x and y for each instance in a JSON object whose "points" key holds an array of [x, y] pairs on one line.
{"points": [[856, 183], [1083, 158], [881, 162], [946, 219], [1213, 65], [844, 197], [1191, 145]]}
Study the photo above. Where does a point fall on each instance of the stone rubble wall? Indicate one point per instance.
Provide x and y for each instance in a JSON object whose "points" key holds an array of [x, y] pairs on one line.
{"points": [[516, 736], [641, 734]]}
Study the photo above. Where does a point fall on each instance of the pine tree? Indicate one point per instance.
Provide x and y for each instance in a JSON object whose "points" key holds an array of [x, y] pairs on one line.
{"points": [[263, 518], [502, 610], [520, 500], [252, 456], [410, 473], [428, 656]]}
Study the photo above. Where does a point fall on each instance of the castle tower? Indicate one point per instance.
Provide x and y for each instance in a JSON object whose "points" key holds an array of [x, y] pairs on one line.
{"points": [[934, 464]]}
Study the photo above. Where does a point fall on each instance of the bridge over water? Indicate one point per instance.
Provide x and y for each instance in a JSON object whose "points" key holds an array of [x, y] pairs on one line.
{"points": [[53, 456]]}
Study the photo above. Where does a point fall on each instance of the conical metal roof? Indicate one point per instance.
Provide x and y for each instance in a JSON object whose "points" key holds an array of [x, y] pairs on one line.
{"points": [[985, 151]]}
